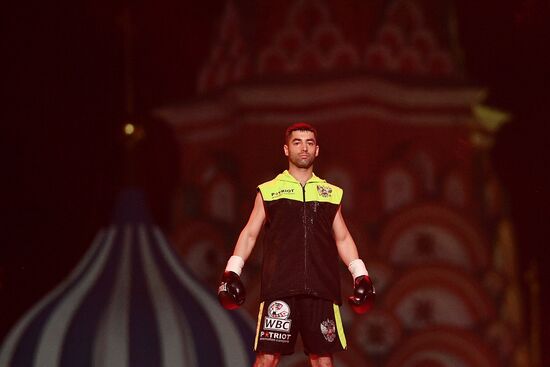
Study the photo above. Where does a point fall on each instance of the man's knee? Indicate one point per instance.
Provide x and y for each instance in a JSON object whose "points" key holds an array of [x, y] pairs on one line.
{"points": [[267, 360], [317, 360]]}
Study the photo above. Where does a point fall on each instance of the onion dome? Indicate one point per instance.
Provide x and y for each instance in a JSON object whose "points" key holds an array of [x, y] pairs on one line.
{"points": [[129, 302], [266, 40]]}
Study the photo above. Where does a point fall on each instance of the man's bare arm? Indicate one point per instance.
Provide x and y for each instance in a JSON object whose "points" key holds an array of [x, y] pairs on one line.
{"points": [[249, 234], [344, 242], [231, 291], [346, 246]]}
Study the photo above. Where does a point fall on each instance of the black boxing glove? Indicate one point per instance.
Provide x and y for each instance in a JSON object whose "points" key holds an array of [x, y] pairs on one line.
{"points": [[231, 291], [363, 296]]}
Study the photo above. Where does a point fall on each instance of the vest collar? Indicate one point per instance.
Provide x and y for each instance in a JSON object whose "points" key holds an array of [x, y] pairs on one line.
{"points": [[286, 176]]}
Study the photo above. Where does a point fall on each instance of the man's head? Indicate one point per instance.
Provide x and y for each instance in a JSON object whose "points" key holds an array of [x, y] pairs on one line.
{"points": [[301, 145], [299, 126]]}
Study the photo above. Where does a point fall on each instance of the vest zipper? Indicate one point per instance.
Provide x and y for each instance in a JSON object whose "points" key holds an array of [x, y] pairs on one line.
{"points": [[304, 221]]}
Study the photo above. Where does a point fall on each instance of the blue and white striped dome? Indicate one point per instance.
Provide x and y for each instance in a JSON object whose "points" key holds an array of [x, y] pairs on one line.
{"points": [[130, 302]]}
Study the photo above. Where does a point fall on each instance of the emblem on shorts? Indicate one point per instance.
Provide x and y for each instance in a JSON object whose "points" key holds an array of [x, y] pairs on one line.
{"points": [[278, 310], [277, 322], [324, 191], [328, 328]]}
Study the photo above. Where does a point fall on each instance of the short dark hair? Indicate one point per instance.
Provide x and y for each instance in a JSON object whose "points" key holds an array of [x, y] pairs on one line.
{"points": [[299, 126]]}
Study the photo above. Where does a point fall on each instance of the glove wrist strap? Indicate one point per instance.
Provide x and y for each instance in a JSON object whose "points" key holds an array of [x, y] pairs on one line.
{"points": [[235, 264], [357, 268]]}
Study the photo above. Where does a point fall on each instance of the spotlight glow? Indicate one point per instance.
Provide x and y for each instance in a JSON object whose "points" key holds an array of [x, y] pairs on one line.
{"points": [[129, 129]]}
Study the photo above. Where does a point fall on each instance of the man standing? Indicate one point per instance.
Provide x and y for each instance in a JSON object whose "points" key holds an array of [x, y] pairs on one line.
{"points": [[304, 234]]}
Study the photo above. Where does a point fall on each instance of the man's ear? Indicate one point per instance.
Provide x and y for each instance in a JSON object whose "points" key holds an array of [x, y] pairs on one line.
{"points": [[316, 150], [285, 148]]}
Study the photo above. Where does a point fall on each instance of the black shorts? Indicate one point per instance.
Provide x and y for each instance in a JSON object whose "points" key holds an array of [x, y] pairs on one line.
{"points": [[317, 320]]}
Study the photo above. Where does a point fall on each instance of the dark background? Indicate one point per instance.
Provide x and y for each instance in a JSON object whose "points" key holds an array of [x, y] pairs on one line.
{"points": [[64, 105]]}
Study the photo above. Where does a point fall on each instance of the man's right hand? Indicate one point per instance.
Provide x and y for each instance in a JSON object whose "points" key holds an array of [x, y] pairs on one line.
{"points": [[231, 292]]}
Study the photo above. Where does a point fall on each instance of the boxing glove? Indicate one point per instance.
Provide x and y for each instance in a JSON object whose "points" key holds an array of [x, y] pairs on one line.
{"points": [[363, 296], [231, 292]]}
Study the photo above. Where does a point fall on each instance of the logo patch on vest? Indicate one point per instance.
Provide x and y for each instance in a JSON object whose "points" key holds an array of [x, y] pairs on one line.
{"points": [[281, 192], [324, 191], [328, 328]]}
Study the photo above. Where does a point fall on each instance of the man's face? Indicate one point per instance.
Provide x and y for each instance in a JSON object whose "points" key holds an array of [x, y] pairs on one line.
{"points": [[301, 148]]}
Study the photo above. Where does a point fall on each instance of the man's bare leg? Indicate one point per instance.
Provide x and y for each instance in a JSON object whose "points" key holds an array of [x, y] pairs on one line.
{"points": [[267, 360], [320, 360]]}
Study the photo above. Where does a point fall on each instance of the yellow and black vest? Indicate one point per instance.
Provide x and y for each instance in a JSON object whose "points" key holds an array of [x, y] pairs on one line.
{"points": [[299, 252]]}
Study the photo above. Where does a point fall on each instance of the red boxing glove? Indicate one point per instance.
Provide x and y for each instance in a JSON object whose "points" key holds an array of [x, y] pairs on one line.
{"points": [[363, 296], [231, 292]]}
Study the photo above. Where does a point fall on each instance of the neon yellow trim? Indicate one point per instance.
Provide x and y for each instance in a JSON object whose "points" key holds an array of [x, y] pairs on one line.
{"points": [[275, 190], [284, 186], [260, 312], [340, 327]]}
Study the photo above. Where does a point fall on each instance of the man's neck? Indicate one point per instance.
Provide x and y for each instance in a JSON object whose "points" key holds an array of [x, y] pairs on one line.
{"points": [[302, 175]]}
